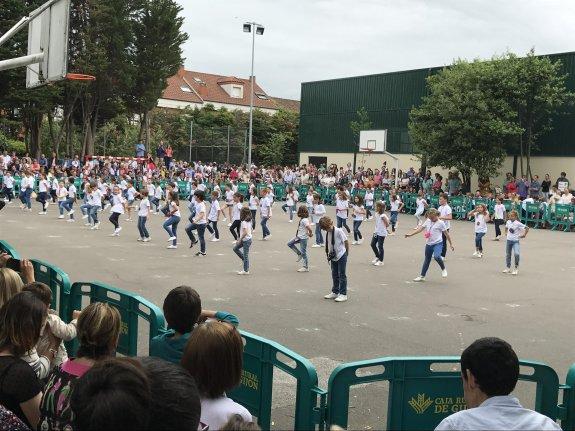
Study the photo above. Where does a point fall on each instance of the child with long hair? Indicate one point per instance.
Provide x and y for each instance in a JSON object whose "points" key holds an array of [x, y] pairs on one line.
{"points": [[369, 203], [337, 251], [244, 240], [302, 234], [499, 213], [309, 202], [395, 206], [43, 196], [143, 212], [318, 213], [229, 196], [95, 203], [290, 203], [173, 219], [236, 215], [213, 217], [421, 205], [342, 209], [481, 216], [198, 222], [358, 216], [130, 197], [118, 207], [381, 225], [266, 203], [515, 231], [253, 205]]}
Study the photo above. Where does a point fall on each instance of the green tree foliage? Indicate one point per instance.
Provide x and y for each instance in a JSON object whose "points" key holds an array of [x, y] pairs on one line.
{"points": [[362, 122], [272, 151]]}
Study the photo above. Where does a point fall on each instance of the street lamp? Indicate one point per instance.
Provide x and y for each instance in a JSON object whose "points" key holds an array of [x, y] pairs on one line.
{"points": [[254, 28]]}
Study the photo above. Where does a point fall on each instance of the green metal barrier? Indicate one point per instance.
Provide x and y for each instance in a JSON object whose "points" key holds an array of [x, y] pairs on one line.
{"points": [[7, 248], [130, 306], [533, 213], [458, 207], [419, 397], [560, 217], [261, 356], [59, 284], [567, 408]]}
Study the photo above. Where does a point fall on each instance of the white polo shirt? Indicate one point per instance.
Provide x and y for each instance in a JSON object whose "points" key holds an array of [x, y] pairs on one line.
{"points": [[498, 413]]}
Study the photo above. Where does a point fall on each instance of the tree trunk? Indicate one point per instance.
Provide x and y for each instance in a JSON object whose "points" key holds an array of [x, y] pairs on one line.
{"points": [[466, 174], [521, 153], [69, 131], [35, 132]]}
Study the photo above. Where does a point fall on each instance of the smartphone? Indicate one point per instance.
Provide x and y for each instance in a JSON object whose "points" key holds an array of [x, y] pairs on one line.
{"points": [[13, 264]]}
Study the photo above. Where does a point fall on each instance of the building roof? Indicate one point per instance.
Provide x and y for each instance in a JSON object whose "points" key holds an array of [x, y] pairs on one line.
{"points": [[197, 87]]}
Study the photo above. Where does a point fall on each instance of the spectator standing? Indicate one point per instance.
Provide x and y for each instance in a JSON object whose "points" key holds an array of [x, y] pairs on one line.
{"points": [[523, 187], [535, 187], [160, 151], [546, 187], [562, 182]]}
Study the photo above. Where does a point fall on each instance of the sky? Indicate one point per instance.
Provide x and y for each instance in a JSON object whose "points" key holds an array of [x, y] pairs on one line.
{"points": [[313, 40]]}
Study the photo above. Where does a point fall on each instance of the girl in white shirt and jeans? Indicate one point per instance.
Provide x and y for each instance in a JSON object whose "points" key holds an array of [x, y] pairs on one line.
{"points": [[337, 250], [515, 230], [481, 218], [303, 233], [244, 241], [434, 229]]}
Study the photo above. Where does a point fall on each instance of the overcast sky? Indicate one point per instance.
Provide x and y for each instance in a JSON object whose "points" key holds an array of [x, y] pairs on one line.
{"points": [[311, 40]]}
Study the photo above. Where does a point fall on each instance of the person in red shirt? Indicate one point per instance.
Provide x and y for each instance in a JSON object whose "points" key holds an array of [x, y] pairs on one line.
{"points": [[511, 186]]}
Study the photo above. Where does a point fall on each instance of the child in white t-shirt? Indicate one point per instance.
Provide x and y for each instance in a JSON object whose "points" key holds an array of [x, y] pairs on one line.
{"points": [[318, 213], [143, 212], [118, 206], [303, 233], [337, 251], [481, 216], [499, 214], [213, 217], [309, 202], [515, 231], [421, 204], [342, 209], [381, 225], [358, 215], [369, 203], [244, 241]]}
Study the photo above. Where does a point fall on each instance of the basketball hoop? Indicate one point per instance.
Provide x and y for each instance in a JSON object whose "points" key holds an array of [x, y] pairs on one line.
{"points": [[80, 77]]}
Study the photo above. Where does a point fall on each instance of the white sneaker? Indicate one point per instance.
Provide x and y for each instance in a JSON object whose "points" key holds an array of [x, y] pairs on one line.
{"points": [[360, 241], [234, 242], [331, 295], [291, 221], [96, 226], [140, 239], [85, 216], [214, 240], [315, 246], [118, 230], [70, 220], [419, 278], [171, 238], [303, 270], [375, 260], [128, 219], [444, 273], [172, 247], [61, 216], [42, 213], [114, 234], [515, 271], [71, 212], [391, 234], [242, 272], [480, 255], [108, 205], [87, 224], [224, 219], [506, 271], [229, 224], [354, 243], [378, 263], [341, 298], [475, 253], [147, 239]]}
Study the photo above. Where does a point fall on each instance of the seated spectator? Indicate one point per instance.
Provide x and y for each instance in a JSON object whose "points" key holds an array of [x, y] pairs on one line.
{"points": [[54, 327], [213, 356], [237, 423], [183, 310], [98, 334], [490, 370], [112, 395], [21, 319], [169, 412]]}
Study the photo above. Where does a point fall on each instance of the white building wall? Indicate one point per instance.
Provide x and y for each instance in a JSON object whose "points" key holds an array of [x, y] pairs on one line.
{"points": [[178, 104]]}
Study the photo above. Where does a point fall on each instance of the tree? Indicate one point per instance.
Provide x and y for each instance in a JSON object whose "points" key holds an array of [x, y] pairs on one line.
{"points": [[361, 123], [465, 122], [273, 150]]}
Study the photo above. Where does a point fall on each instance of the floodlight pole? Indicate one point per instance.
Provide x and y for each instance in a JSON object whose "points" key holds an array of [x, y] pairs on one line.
{"points": [[253, 27], [396, 167]]}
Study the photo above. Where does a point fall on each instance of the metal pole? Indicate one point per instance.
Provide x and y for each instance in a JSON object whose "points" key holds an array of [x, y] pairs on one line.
{"points": [[191, 138], [251, 99], [228, 159], [21, 61], [22, 23]]}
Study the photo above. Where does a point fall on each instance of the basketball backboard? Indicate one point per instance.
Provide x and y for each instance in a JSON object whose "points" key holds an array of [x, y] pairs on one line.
{"points": [[372, 141]]}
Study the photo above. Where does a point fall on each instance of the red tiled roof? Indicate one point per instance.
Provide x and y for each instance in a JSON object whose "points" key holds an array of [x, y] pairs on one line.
{"points": [[174, 91], [287, 104]]}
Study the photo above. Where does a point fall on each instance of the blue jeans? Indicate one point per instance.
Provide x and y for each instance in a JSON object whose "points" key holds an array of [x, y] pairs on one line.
{"points": [[85, 209], [67, 205], [212, 227], [377, 246], [433, 250], [142, 227], [171, 226], [291, 209], [27, 198], [478, 240], [356, 233], [244, 254], [265, 228], [302, 251], [201, 228], [338, 275], [342, 222], [512, 246], [393, 220], [93, 213], [318, 234]]}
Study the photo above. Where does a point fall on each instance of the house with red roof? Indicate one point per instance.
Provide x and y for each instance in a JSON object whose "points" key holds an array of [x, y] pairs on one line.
{"points": [[189, 89]]}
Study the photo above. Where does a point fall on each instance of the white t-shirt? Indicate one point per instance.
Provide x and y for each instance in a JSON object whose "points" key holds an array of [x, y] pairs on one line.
{"points": [[236, 211], [247, 226], [144, 208], [43, 186], [394, 204], [9, 182], [433, 231], [131, 194], [151, 189], [217, 412], [302, 228], [95, 198], [498, 211], [158, 193], [369, 199], [201, 208], [265, 204], [357, 215], [444, 211], [290, 201], [296, 195], [514, 229], [339, 242], [420, 202], [72, 191], [341, 207], [230, 197], [380, 228], [253, 205], [117, 204], [480, 223], [214, 208], [318, 212], [309, 200], [173, 206]]}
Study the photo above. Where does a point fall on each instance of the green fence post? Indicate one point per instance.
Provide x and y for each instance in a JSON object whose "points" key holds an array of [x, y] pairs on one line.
{"points": [[59, 283], [7, 248], [568, 406]]}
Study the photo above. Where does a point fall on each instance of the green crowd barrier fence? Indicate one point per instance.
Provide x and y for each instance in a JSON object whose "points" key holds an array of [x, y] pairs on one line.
{"points": [[458, 207], [422, 392], [559, 217], [261, 358], [7, 248], [302, 190], [57, 280], [279, 191], [132, 308], [567, 408], [533, 214]]}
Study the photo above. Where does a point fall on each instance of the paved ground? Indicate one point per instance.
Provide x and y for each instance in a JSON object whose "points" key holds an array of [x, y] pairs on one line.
{"points": [[386, 315]]}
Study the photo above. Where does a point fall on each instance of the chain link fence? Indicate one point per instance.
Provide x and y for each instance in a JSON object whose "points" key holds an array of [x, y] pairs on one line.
{"points": [[215, 144]]}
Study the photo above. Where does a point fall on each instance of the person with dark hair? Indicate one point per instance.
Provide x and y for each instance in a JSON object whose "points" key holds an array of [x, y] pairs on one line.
{"points": [[21, 319], [213, 356], [183, 310], [114, 394], [244, 239], [98, 334], [198, 221], [490, 370], [169, 412]]}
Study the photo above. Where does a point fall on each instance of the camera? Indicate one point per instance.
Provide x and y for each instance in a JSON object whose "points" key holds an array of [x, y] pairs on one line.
{"points": [[331, 256]]}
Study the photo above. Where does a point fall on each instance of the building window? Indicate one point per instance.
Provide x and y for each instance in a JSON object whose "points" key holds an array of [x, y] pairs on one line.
{"points": [[186, 89], [262, 96], [198, 80], [237, 92]]}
